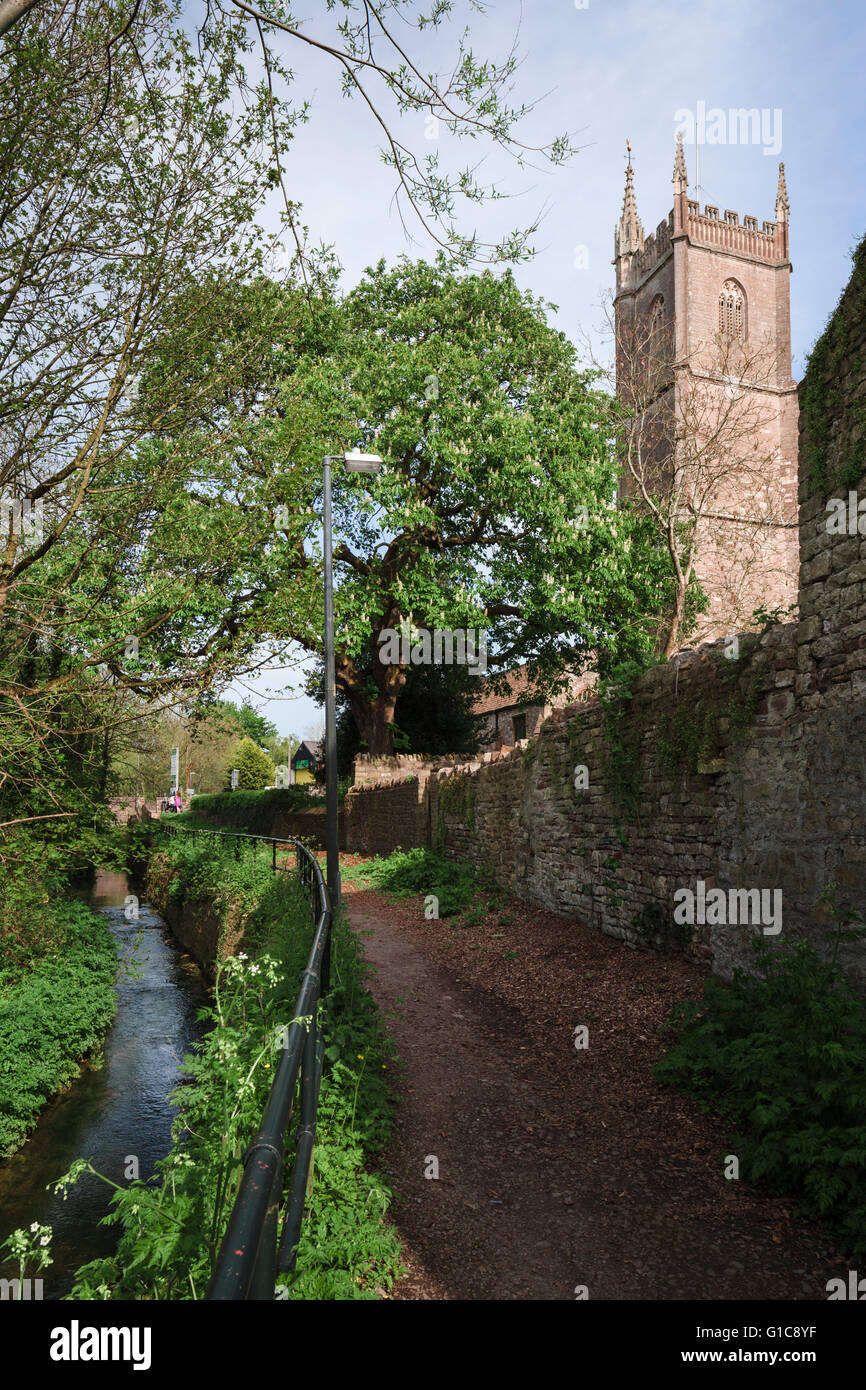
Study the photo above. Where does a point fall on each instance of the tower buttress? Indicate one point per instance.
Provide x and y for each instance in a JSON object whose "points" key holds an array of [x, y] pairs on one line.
{"points": [[783, 211], [628, 236], [681, 184]]}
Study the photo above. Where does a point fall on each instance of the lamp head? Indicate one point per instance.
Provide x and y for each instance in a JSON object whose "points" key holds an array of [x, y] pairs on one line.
{"points": [[362, 463]]}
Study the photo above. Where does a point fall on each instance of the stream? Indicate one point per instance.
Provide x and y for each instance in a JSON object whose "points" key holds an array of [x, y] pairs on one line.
{"points": [[118, 1110]]}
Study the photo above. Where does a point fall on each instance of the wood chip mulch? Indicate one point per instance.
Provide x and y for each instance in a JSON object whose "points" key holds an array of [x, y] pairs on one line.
{"points": [[562, 1173]]}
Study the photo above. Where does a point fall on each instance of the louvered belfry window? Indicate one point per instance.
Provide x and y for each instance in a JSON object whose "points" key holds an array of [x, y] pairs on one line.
{"points": [[732, 311]]}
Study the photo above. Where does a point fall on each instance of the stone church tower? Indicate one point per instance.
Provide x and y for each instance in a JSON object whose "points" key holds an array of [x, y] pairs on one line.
{"points": [[703, 335]]}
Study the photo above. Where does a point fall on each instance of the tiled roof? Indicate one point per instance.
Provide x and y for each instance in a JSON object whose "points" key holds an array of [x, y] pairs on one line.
{"points": [[519, 685], [313, 747], [519, 688]]}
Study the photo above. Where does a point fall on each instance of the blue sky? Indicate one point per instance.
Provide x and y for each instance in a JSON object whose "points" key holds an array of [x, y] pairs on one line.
{"points": [[612, 70]]}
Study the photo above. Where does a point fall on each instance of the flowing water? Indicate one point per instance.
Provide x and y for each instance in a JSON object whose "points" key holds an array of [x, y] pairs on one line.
{"points": [[117, 1111]]}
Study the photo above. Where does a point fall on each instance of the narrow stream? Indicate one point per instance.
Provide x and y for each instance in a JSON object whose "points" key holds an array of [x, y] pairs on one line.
{"points": [[116, 1111]]}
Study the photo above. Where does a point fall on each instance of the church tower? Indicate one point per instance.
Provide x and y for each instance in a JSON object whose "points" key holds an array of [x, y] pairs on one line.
{"points": [[703, 342]]}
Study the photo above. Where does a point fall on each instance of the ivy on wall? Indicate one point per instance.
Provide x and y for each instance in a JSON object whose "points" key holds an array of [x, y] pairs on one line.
{"points": [[823, 397], [696, 732]]}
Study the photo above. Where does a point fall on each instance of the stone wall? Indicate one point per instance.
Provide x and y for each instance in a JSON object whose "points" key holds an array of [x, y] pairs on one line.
{"points": [[833, 466], [392, 815], [744, 768], [397, 767], [196, 923], [675, 794], [124, 809], [307, 825]]}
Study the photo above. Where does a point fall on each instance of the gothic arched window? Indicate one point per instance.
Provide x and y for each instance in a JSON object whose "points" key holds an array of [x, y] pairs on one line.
{"points": [[732, 311]]}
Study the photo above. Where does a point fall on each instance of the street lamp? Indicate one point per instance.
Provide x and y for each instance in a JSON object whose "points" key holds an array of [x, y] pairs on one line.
{"points": [[354, 462]]}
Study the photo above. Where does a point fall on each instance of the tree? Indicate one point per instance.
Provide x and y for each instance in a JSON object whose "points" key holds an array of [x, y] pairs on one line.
{"points": [[496, 509], [473, 102], [434, 713], [130, 359], [255, 769], [251, 721], [205, 740], [129, 558]]}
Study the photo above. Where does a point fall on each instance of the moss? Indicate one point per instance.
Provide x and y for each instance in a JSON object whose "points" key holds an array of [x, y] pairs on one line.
{"points": [[695, 733], [457, 798]]}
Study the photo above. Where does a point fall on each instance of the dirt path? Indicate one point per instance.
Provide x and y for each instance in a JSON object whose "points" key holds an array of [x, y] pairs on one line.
{"points": [[559, 1168]]}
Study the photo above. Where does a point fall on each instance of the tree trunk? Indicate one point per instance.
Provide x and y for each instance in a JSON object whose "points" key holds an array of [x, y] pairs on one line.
{"points": [[676, 623], [373, 718]]}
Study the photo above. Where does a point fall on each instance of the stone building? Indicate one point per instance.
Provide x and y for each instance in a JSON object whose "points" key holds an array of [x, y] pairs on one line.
{"points": [[509, 718], [703, 337]]}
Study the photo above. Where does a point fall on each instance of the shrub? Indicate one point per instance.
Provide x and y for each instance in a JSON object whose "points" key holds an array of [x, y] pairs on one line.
{"points": [[406, 873], [783, 1055], [255, 769], [253, 811]]}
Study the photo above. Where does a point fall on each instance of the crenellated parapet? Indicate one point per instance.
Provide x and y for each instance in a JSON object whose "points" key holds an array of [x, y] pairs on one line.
{"points": [[707, 228], [637, 256]]}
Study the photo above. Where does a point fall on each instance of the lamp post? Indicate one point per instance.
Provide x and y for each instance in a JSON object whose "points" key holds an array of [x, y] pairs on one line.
{"points": [[354, 463]]}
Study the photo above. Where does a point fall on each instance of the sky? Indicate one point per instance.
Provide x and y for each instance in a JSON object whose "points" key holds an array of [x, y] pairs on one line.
{"points": [[606, 71]]}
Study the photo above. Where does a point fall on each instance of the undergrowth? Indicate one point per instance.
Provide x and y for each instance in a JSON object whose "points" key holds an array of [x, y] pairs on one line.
{"points": [[407, 873], [55, 1012], [171, 1226], [782, 1053]]}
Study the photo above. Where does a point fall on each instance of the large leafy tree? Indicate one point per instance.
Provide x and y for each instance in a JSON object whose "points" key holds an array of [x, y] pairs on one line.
{"points": [[496, 507], [132, 170], [136, 150], [435, 711]]}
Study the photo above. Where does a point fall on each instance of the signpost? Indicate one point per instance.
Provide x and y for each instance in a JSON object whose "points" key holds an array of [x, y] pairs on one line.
{"points": [[235, 775], [175, 769]]}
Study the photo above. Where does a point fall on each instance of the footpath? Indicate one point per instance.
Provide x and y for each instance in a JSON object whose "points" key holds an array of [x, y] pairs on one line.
{"points": [[559, 1170]]}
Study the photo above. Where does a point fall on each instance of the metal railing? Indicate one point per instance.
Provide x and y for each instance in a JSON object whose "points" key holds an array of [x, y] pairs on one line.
{"points": [[253, 1252]]}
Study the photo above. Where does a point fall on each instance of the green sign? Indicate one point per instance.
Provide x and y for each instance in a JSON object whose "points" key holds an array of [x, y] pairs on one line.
{"points": [[303, 762]]}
